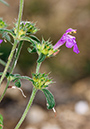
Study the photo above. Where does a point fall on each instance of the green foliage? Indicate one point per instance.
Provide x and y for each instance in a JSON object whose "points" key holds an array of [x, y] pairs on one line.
{"points": [[9, 76], [41, 81], [6, 36], [35, 38], [2, 24], [25, 38], [49, 98], [18, 83], [31, 50], [41, 57], [1, 122], [16, 78], [45, 48], [24, 31], [26, 28]]}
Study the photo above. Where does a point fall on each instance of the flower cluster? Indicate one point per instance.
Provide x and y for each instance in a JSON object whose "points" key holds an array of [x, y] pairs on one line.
{"points": [[2, 24], [69, 40], [26, 28], [46, 48], [41, 81]]}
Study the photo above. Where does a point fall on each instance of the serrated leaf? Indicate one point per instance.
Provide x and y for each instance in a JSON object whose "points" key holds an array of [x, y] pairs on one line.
{"points": [[1, 122], [49, 98], [18, 83], [41, 58]]}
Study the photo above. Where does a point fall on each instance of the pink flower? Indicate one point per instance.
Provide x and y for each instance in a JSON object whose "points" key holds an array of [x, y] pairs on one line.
{"points": [[69, 40], [1, 41]]}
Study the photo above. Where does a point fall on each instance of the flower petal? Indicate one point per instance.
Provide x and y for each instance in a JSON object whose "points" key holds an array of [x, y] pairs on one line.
{"points": [[75, 49], [1, 40], [69, 39], [69, 43], [60, 42], [70, 30]]}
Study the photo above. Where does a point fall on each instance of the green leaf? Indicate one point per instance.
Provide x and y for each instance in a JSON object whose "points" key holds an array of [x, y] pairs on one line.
{"points": [[24, 77], [6, 36], [2, 23], [18, 83], [4, 2], [49, 98], [31, 50], [28, 39], [41, 58], [8, 31], [35, 38], [1, 122], [16, 77]]}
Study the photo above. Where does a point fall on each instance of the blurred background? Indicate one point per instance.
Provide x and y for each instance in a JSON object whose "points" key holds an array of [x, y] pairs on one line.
{"points": [[70, 71]]}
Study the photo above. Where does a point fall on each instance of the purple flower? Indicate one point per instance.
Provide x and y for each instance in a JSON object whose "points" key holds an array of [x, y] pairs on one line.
{"points": [[69, 39], [1, 41]]}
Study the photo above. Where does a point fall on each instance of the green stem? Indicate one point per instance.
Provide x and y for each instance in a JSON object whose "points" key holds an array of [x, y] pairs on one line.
{"points": [[4, 91], [38, 67], [15, 43], [27, 108], [9, 61], [17, 34], [2, 62], [25, 77], [19, 16], [16, 56], [13, 66], [1, 73], [4, 2]]}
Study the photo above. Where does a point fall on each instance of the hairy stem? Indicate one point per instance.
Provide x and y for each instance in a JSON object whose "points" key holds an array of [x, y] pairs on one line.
{"points": [[15, 43], [2, 62], [27, 108], [9, 61], [4, 91], [13, 66], [16, 56], [38, 67], [19, 16]]}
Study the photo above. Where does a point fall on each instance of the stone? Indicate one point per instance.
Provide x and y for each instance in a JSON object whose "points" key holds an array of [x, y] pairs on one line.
{"points": [[50, 126], [30, 127], [36, 115], [81, 107]]}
